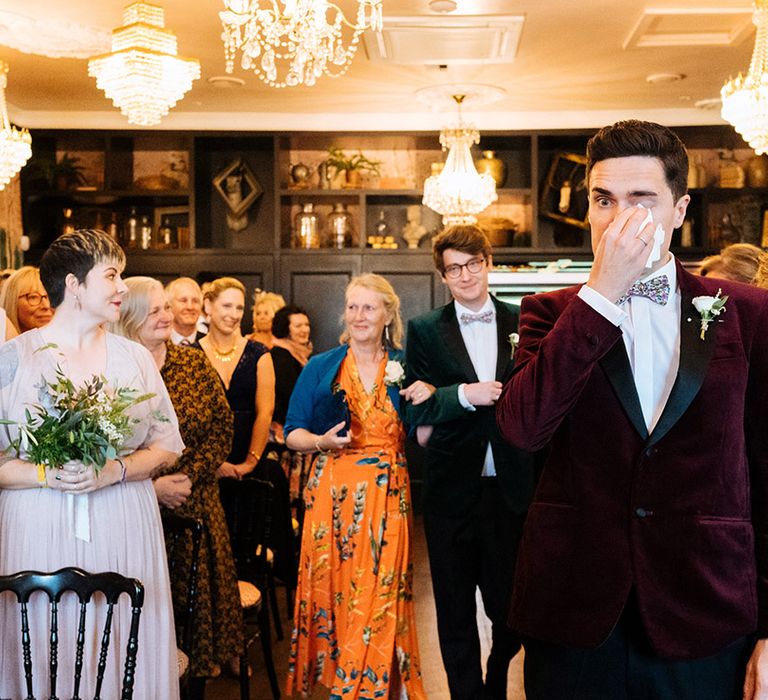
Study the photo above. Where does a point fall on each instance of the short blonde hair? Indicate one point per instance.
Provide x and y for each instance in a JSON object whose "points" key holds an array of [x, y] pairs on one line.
{"points": [[393, 331], [739, 262], [222, 284], [271, 300], [24, 277], [135, 307]]}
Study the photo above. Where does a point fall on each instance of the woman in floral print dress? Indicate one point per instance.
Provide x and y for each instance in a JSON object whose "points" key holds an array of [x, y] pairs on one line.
{"points": [[354, 621], [190, 487]]}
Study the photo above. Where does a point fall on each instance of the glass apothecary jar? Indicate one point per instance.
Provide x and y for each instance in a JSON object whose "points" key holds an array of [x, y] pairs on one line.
{"points": [[306, 228]]}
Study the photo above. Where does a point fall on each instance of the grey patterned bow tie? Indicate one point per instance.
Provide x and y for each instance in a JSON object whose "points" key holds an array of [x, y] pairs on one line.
{"points": [[485, 317], [656, 289]]}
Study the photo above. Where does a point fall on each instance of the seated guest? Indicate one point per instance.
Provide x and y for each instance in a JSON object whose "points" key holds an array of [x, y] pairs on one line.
{"points": [[186, 301], [291, 351], [738, 262], [189, 487], [265, 306], [25, 300]]}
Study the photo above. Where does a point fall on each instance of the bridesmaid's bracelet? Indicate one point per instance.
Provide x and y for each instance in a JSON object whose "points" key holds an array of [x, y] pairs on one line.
{"points": [[123, 470], [317, 445]]}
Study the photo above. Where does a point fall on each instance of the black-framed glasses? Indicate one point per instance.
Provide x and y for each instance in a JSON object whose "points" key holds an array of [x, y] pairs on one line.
{"points": [[473, 267], [33, 298]]}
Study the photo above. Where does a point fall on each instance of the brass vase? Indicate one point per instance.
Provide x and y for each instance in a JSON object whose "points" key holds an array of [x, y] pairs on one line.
{"points": [[494, 166]]}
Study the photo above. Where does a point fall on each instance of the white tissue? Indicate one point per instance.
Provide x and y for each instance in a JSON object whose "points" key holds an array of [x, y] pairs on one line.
{"points": [[658, 239]]}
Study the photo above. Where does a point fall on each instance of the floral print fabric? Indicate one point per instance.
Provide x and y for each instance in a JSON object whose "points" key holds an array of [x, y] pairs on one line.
{"points": [[355, 629]]}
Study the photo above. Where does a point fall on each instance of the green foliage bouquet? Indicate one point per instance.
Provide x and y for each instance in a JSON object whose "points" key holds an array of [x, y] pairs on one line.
{"points": [[89, 424]]}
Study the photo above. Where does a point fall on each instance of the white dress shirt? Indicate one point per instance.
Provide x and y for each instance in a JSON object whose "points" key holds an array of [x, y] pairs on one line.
{"points": [[177, 337], [651, 334], [481, 342]]}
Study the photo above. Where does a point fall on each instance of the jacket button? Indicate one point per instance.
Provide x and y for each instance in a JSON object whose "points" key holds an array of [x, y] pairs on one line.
{"points": [[641, 512], [651, 451]]}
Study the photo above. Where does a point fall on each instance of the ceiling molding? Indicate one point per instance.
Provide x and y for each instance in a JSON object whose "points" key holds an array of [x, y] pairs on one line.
{"points": [[422, 121], [51, 37]]}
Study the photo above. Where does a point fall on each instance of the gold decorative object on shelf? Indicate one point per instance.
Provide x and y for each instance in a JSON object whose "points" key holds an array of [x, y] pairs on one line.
{"points": [[295, 44], [494, 166], [238, 187], [15, 144], [143, 75], [745, 103]]}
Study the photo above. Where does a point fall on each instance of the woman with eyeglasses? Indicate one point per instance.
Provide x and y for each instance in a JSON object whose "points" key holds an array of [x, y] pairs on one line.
{"points": [[25, 300]]}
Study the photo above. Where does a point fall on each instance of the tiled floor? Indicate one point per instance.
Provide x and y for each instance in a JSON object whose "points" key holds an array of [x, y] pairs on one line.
{"points": [[435, 685]]}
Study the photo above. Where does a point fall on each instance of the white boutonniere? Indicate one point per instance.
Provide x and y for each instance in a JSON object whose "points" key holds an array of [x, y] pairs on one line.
{"points": [[709, 309], [514, 341], [394, 373]]}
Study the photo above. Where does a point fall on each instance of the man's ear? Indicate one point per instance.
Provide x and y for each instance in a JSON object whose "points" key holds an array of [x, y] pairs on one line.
{"points": [[681, 206]]}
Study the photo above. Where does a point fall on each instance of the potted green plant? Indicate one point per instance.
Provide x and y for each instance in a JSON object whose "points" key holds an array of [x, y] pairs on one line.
{"points": [[62, 174], [352, 166]]}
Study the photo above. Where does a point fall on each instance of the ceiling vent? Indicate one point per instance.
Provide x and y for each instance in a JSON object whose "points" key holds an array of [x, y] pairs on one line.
{"points": [[690, 26], [422, 41]]}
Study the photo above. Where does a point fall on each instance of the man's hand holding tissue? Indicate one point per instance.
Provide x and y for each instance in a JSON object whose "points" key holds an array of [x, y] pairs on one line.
{"points": [[623, 252]]}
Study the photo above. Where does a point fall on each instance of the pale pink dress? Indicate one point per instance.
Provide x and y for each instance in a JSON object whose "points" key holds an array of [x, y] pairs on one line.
{"points": [[37, 532]]}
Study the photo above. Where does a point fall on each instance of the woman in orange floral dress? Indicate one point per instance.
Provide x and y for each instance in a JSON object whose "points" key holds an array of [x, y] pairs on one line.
{"points": [[355, 629]]}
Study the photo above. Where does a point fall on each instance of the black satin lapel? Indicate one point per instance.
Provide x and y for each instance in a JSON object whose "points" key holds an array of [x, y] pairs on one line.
{"points": [[695, 355], [615, 364], [449, 329], [505, 324]]}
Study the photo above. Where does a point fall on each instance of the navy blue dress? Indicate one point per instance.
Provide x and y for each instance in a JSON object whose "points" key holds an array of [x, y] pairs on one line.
{"points": [[241, 396]]}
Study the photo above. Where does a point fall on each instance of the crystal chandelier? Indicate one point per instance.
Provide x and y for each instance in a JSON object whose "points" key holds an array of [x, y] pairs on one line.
{"points": [[459, 193], [745, 98], [297, 44], [143, 76], [15, 144]]}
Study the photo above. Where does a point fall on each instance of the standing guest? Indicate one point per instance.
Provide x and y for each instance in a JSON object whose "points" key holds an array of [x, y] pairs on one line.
{"points": [[265, 306], [738, 262], [354, 629], [25, 300], [476, 489], [186, 304], [290, 354], [643, 568], [246, 371], [52, 518], [189, 487]]}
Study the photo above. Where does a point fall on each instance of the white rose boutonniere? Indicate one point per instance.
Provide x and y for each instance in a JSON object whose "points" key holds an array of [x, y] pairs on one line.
{"points": [[709, 309], [514, 341], [394, 373]]}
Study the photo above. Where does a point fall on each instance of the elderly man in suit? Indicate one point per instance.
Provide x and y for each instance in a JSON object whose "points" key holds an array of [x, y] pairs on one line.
{"points": [[476, 489], [186, 301], [642, 570]]}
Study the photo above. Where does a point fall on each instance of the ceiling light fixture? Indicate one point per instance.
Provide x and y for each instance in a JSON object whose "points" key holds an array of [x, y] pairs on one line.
{"points": [[143, 76], [443, 5], [15, 144], [459, 193], [297, 44], [745, 98]]}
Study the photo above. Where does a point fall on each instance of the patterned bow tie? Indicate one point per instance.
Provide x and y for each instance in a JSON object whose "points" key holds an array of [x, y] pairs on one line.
{"points": [[485, 317], [656, 289]]}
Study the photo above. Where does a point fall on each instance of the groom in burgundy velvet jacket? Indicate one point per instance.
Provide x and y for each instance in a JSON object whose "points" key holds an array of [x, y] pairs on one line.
{"points": [[643, 570]]}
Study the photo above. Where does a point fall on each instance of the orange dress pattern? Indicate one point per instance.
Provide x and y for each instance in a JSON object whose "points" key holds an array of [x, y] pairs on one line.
{"points": [[355, 630]]}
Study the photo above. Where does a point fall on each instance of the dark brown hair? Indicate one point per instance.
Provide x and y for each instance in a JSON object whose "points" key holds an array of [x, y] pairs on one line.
{"points": [[77, 253], [636, 138], [465, 238]]}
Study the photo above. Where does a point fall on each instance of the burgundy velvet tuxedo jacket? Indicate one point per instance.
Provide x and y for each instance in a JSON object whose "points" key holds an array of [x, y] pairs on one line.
{"points": [[680, 515]]}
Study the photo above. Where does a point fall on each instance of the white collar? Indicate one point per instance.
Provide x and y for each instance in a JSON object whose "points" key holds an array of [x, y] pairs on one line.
{"points": [[488, 306]]}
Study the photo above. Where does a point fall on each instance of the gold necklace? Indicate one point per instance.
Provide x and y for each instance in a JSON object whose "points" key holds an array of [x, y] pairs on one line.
{"points": [[223, 355]]}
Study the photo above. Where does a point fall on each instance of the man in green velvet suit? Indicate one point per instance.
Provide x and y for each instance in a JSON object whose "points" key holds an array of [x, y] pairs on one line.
{"points": [[477, 488]]}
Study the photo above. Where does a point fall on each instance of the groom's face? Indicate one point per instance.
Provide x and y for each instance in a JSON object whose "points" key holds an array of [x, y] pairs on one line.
{"points": [[470, 289]]}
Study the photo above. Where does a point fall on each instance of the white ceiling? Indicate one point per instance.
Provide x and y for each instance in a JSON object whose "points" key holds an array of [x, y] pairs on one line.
{"points": [[571, 69]]}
